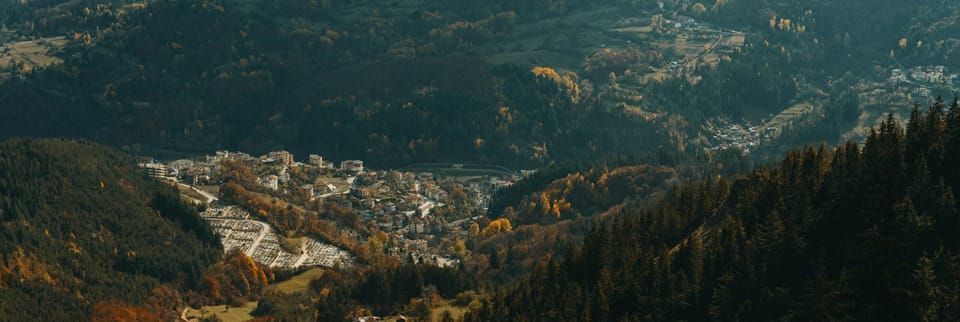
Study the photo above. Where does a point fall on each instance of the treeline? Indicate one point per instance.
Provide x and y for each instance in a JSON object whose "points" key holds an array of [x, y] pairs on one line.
{"points": [[381, 290], [854, 233], [410, 289], [81, 227]]}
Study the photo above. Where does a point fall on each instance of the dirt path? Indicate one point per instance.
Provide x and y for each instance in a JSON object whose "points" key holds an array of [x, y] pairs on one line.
{"points": [[303, 255]]}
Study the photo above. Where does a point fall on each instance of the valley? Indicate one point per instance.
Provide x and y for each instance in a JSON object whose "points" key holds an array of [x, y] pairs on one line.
{"points": [[486, 160]]}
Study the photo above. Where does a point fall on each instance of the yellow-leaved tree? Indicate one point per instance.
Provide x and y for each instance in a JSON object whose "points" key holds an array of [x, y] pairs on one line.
{"points": [[496, 227], [567, 82]]}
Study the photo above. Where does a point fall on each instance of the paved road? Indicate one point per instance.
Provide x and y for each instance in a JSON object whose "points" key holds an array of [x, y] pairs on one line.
{"points": [[463, 168], [457, 223], [210, 198], [263, 233]]}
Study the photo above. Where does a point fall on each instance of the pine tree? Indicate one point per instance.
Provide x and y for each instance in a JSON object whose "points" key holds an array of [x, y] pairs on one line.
{"points": [[927, 295]]}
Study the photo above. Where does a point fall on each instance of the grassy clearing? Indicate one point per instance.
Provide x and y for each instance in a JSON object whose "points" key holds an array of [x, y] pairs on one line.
{"points": [[456, 311], [33, 53], [788, 115], [638, 29], [191, 193], [233, 314], [298, 284], [321, 184]]}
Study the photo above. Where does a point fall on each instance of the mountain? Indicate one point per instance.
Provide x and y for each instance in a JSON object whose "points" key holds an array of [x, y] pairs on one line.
{"points": [[853, 233], [83, 230], [521, 84]]}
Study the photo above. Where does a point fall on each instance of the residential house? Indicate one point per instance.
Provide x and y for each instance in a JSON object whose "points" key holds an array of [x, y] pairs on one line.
{"points": [[282, 157], [316, 159], [307, 190], [272, 181], [351, 166]]}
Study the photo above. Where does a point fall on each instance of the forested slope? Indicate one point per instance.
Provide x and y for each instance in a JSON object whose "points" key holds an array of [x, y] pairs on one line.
{"points": [[853, 233], [83, 231], [390, 89]]}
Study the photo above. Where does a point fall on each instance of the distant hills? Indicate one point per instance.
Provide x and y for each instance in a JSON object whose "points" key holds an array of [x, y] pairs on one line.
{"points": [[411, 82], [82, 227], [181, 77]]}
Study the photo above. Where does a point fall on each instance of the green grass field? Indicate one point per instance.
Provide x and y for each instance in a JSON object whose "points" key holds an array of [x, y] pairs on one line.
{"points": [[298, 284], [456, 311], [234, 314]]}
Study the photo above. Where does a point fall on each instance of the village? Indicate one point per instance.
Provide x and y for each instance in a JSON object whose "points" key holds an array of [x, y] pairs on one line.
{"points": [[924, 81], [422, 207], [726, 135]]}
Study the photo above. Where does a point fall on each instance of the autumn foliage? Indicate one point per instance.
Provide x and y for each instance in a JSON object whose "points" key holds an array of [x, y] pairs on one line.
{"points": [[496, 227], [80, 225], [118, 311], [234, 281], [276, 211]]}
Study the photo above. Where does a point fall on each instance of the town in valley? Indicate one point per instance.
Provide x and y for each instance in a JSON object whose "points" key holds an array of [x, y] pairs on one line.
{"points": [[426, 208]]}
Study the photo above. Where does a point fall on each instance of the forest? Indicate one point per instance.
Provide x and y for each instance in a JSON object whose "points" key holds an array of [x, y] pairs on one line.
{"points": [[850, 233], [400, 84], [85, 235], [629, 216], [251, 83], [81, 225], [853, 232]]}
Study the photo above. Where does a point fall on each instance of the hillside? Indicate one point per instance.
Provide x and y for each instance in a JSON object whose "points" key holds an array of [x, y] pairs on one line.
{"points": [[81, 227], [637, 123], [867, 31], [853, 233], [180, 77], [520, 84]]}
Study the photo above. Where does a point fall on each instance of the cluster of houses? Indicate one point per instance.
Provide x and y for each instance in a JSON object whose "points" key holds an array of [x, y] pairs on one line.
{"points": [[921, 79], [205, 169], [736, 136], [402, 203]]}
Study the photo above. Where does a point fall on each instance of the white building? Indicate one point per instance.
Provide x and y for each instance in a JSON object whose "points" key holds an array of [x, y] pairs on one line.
{"points": [[271, 181], [155, 170]]}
